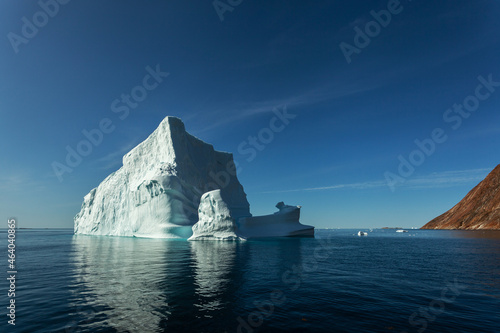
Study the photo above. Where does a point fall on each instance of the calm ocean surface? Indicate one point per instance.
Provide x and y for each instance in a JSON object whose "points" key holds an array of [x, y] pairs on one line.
{"points": [[424, 280]]}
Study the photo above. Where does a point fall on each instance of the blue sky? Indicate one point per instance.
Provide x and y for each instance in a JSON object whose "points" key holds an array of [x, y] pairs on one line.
{"points": [[352, 119]]}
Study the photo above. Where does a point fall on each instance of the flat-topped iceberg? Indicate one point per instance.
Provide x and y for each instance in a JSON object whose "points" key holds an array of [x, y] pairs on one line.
{"points": [[217, 222], [173, 185], [284, 223]]}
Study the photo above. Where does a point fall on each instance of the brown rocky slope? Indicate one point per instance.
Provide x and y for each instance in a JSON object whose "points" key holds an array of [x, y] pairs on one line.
{"points": [[479, 209]]}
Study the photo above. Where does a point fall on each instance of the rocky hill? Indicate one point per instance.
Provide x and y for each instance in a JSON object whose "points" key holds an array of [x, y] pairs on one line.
{"points": [[479, 209]]}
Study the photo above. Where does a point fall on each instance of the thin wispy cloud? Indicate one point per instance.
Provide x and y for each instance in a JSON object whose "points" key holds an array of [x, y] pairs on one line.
{"points": [[20, 182], [434, 180], [237, 111], [114, 159], [360, 186], [448, 178], [344, 83]]}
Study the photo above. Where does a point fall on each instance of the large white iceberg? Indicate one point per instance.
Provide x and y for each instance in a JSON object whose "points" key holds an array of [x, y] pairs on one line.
{"points": [[173, 185]]}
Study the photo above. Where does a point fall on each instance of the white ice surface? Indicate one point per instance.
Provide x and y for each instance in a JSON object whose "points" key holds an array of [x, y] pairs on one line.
{"points": [[218, 223], [284, 223], [216, 219], [157, 191]]}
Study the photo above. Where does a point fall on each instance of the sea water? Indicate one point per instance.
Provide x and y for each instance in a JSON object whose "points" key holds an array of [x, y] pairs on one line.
{"points": [[423, 280]]}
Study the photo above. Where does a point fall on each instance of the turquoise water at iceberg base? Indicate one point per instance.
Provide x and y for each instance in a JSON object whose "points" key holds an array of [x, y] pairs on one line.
{"points": [[420, 281]]}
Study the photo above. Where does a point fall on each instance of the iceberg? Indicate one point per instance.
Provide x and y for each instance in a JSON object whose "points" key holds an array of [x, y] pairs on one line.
{"points": [[157, 191], [216, 221], [284, 223], [174, 185]]}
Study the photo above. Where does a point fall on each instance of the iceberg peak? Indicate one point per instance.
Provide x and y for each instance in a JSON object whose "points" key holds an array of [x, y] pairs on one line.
{"points": [[173, 184]]}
